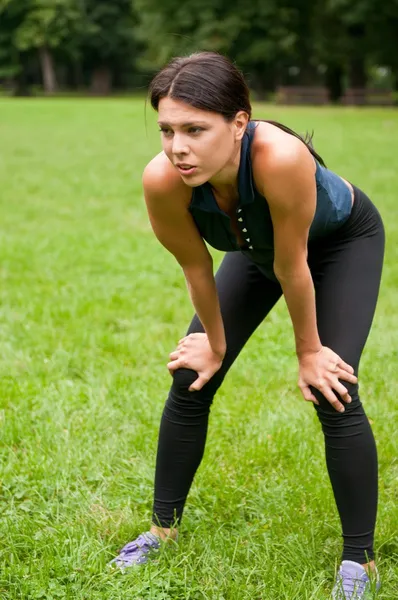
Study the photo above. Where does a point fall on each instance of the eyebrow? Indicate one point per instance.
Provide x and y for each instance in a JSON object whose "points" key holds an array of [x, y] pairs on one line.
{"points": [[163, 124]]}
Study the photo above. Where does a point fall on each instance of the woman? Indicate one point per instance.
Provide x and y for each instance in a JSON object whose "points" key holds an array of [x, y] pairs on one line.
{"points": [[289, 227]]}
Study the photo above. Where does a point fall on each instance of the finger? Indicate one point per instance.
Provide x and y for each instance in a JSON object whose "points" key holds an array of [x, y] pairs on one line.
{"points": [[342, 391], [345, 366], [174, 355], [308, 395], [331, 397], [174, 365], [347, 376], [198, 383]]}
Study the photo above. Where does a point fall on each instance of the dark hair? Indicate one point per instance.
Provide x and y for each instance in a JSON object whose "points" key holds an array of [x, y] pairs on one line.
{"points": [[210, 81]]}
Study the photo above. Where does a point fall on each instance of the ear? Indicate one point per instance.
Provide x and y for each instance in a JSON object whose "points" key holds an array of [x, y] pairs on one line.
{"points": [[240, 122]]}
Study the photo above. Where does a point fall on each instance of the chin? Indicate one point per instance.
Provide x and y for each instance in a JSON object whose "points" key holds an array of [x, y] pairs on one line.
{"points": [[194, 182]]}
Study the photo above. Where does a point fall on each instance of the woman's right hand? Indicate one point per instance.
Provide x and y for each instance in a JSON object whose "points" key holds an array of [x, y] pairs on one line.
{"points": [[194, 352]]}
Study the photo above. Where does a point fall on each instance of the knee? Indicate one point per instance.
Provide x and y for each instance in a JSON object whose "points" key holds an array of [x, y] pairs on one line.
{"points": [[182, 401], [182, 380], [329, 416]]}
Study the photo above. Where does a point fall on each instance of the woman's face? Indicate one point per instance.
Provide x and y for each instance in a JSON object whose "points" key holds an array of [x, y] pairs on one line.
{"points": [[199, 143]]}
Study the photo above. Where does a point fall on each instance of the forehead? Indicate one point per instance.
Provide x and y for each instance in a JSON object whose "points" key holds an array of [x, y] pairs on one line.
{"points": [[176, 112]]}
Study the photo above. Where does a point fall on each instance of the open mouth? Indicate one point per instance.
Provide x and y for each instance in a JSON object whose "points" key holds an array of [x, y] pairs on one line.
{"points": [[186, 169]]}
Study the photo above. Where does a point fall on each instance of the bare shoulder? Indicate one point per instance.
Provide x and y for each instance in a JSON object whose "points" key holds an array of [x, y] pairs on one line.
{"points": [[276, 152], [283, 168], [167, 198], [161, 180]]}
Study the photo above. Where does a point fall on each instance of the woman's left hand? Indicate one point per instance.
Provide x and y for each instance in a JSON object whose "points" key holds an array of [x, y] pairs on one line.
{"points": [[194, 352], [323, 370]]}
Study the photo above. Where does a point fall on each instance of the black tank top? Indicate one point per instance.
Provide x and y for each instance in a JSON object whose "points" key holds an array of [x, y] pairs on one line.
{"points": [[333, 209]]}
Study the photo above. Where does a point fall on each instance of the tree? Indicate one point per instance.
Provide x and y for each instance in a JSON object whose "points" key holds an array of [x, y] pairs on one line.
{"points": [[107, 42], [257, 34], [45, 26], [264, 45], [383, 36], [12, 63]]}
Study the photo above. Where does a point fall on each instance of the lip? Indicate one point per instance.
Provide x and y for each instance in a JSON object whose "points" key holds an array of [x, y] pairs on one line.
{"points": [[186, 172]]}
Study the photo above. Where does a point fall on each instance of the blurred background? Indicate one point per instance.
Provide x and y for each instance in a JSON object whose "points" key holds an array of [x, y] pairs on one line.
{"points": [[291, 51]]}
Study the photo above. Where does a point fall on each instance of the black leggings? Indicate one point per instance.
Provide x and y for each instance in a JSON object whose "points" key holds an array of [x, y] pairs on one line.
{"points": [[346, 268]]}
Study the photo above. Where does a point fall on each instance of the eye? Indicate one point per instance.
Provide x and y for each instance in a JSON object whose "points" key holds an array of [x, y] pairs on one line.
{"points": [[195, 130], [166, 132]]}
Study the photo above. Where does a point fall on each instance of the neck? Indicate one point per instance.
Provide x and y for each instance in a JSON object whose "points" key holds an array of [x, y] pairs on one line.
{"points": [[225, 182]]}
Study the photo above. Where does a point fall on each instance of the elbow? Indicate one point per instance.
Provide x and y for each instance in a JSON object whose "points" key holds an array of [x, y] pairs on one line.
{"points": [[196, 271], [289, 272]]}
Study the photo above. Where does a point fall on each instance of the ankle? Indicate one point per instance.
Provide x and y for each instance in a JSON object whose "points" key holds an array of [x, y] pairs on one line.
{"points": [[370, 567], [164, 533]]}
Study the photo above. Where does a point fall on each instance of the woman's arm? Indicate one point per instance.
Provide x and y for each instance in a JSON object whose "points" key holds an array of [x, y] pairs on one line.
{"points": [[290, 188], [203, 293], [167, 199]]}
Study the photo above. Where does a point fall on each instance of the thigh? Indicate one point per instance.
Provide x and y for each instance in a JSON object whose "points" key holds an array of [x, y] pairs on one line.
{"points": [[246, 296], [346, 273]]}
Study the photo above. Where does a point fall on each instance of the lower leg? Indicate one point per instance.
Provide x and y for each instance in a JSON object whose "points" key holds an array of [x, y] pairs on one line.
{"points": [[370, 567], [182, 438], [352, 465], [164, 533]]}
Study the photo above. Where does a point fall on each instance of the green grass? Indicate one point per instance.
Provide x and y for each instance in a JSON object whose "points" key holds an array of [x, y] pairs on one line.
{"points": [[90, 307]]}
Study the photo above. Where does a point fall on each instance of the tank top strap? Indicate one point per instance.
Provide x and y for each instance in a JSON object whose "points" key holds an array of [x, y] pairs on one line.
{"points": [[250, 129], [245, 174]]}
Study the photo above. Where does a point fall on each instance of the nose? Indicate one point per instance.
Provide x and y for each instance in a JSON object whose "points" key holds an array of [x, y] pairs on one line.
{"points": [[179, 145]]}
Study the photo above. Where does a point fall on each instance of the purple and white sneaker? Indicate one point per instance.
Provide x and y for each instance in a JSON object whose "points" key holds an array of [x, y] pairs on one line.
{"points": [[137, 552], [353, 583]]}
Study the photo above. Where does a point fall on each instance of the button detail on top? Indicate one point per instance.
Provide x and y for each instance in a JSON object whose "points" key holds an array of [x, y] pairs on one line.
{"points": [[247, 239], [250, 247], [239, 210], [240, 219], [244, 230]]}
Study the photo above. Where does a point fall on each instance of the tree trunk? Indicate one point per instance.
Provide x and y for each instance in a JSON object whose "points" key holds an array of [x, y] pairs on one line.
{"points": [[47, 69], [308, 75], [262, 82], [394, 71], [334, 81], [21, 87], [357, 76], [357, 73], [76, 76], [101, 81]]}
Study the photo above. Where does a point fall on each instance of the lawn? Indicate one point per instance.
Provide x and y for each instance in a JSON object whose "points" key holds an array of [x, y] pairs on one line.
{"points": [[90, 307]]}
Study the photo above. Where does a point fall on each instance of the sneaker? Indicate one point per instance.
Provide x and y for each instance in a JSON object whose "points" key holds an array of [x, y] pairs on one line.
{"points": [[137, 552], [353, 583]]}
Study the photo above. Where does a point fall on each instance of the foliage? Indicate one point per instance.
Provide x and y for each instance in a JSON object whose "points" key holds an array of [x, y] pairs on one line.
{"points": [[293, 41], [108, 31], [47, 23]]}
